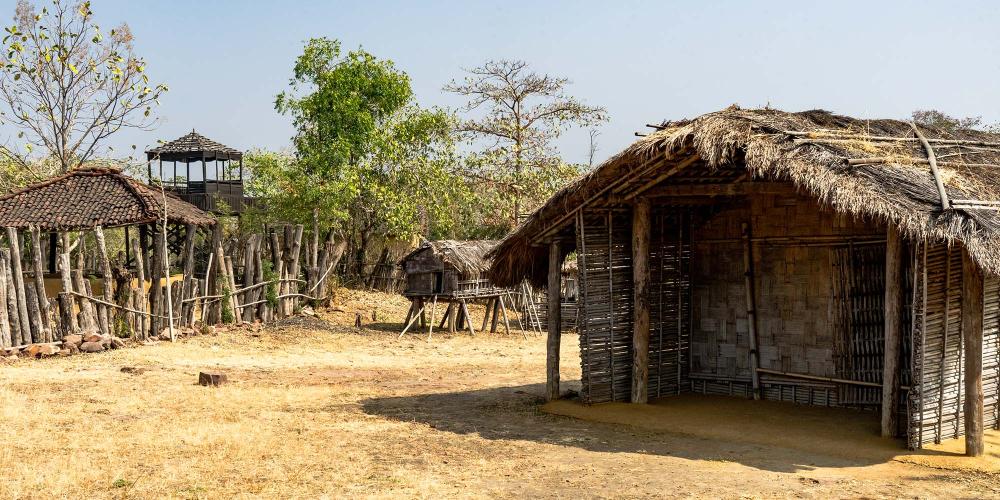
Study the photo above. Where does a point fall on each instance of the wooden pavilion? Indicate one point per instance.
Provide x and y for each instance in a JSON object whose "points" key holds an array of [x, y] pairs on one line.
{"points": [[803, 257], [222, 182], [90, 200]]}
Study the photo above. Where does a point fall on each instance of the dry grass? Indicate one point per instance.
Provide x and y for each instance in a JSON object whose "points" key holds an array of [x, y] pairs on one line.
{"points": [[315, 410]]}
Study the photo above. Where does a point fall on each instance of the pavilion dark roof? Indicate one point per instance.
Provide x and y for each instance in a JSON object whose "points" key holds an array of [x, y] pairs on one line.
{"points": [[86, 198], [876, 169], [194, 146]]}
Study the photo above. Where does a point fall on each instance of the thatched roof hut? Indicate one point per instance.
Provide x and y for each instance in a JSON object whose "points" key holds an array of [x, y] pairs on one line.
{"points": [[437, 266], [803, 257], [87, 198], [870, 168]]}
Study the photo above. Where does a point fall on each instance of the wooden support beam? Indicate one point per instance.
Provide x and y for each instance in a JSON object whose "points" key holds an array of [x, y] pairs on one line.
{"points": [[751, 308], [554, 323], [14, 241], [42, 297], [894, 302], [640, 311], [972, 336], [727, 189]]}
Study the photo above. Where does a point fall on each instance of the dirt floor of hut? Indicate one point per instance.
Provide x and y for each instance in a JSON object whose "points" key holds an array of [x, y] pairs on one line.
{"points": [[839, 432], [318, 408]]}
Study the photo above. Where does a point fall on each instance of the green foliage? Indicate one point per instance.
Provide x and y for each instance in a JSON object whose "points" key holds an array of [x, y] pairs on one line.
{"points": [[227, 307], [376, 164], [943, 121], [270, 276]]}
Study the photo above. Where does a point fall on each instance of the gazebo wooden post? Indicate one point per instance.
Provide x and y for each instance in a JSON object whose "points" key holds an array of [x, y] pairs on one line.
{"points": [[106, 315], [554, 324], [142, 304], [972, 336], [641, 233], [894, 298], [13, 239], [43, 300], [8, 325], [67, 304], [188, 287], [155, 285]]}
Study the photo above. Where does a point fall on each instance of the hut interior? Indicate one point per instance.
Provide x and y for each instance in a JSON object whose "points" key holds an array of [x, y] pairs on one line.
{"points": [[802, 257]]}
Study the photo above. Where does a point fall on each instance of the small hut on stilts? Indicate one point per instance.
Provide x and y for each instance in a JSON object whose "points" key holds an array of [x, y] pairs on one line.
{"points": [[452, 272], [801, 257]]}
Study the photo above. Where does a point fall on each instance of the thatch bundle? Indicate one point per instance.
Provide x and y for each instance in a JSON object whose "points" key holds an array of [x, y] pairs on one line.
{"points": [[467, 257], [867, 168]]}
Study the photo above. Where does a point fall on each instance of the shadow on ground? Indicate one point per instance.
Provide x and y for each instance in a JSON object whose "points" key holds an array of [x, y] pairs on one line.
{"points": [[517, 413]]}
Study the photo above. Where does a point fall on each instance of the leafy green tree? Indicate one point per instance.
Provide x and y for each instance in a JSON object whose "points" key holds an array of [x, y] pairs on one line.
{"points": [[515, 115], [67, 86], [376, 163]]}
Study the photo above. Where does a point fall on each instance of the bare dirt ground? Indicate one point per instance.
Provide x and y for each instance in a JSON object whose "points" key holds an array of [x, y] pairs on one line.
{"points": [[319, 409]]}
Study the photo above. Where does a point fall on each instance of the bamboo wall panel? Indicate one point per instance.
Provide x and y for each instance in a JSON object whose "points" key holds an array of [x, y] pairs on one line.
{"points": [[936, 398], [860, 344], [670, 304], [604, 257]]}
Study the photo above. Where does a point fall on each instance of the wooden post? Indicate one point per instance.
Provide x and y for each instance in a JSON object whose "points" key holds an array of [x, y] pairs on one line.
{"points": [[294, 266], [5, 337], [107, 315], [87, 317], [751, 309], [972, 336], [13, 239], [141, 303], [168, 289], [278, 260], [66, 302], [314, 254], [641, 233], [486, 315], [893, 330], [223, 271], [12, 310], [39, 271], [156, 284], [231, 283], [555, 330], [496, 314]]}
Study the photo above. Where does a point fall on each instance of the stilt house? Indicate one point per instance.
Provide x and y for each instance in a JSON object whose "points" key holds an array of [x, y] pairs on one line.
{"points": [[803, 257], [453, 272]]}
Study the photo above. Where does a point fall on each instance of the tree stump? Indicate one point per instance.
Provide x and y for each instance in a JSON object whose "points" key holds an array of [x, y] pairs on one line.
{"points": [[212, 379]]}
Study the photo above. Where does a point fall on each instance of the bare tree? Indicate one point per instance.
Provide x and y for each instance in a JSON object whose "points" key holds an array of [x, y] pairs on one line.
{"points": [[592, 150], [66, 86], [522, 112]]}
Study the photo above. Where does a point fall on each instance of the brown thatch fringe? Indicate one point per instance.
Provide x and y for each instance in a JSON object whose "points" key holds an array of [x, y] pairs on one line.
{"points": [[773, 144], [468, 257]]}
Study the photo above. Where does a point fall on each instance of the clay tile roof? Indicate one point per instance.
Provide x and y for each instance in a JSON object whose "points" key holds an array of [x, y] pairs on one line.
{"points": [[193, 145], [86, 198]]}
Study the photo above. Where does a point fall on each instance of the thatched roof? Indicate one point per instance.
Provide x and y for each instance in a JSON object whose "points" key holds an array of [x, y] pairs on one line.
{"points": [[86, 198], [468, 257], [867, 168], [194, 146]]}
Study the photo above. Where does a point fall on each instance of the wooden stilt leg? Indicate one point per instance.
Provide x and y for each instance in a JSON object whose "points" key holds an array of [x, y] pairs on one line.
{"points": [[496, 314], [506, 322], [434, 302], [972, 336], [468, 318], [486, 315], [412, 320], [452, 318]]}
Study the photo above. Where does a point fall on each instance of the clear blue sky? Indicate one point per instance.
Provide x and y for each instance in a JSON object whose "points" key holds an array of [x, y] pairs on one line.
{"points": [[644, 61]]}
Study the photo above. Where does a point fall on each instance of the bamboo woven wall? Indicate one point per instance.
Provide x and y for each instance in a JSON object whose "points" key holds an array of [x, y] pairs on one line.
{"points": [[936, 399], [670, 301], [604, 255], [606, 297]]}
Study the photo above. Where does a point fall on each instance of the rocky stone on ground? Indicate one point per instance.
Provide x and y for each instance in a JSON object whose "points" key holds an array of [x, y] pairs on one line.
{"points": [[209, 379], [91, 347], [41, 350]]}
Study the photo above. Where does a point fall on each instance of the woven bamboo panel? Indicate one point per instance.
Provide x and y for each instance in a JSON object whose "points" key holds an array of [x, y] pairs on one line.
{"points": [[936, 398], [860, 343], [604, 257], [670, 302]]}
